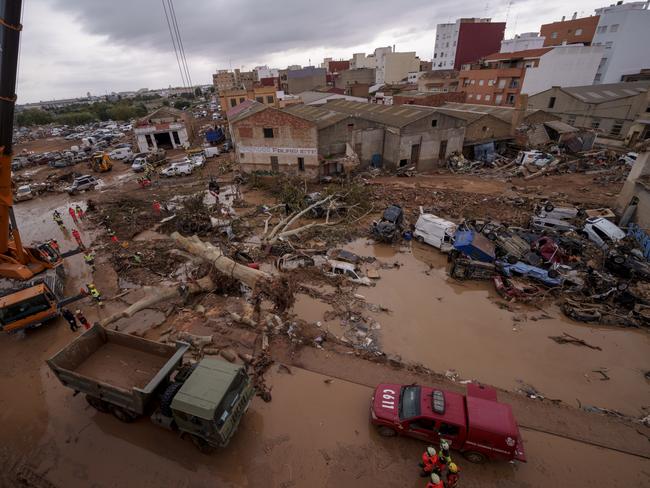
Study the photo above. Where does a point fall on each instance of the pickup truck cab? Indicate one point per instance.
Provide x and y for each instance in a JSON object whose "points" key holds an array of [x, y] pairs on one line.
{"points": [[475, 424]]}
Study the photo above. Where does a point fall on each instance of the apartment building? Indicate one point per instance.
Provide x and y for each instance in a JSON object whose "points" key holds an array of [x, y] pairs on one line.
{"points": [[466, 41], [522, 42], [265, 95], [573, 31]]}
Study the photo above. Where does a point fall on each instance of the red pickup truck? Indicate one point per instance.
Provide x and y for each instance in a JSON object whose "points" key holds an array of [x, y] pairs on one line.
{"points": [[475, 424]]}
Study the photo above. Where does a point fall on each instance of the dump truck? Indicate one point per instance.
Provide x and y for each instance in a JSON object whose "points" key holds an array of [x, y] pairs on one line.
{"points": [[132, 377]]}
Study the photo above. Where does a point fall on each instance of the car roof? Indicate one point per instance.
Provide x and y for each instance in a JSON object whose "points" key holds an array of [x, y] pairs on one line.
{"points": [[606, 225], [341, 264], [433, 219], [454, 406]]}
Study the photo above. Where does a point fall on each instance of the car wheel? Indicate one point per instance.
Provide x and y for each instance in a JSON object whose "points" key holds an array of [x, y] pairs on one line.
{"points": [[386, 431], [549, 207], [475, 457], [553, 273], [123, 414], [420, 239], [618, 259], [98, 404], [492, 236]]}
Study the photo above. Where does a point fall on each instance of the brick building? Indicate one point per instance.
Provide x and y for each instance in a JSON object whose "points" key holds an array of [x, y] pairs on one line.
{"points": [[263, 94], [268, 139], [444, 80], [574, 31], [466, 41]]}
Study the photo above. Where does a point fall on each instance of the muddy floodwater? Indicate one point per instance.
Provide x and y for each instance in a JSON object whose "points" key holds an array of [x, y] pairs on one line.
{"points": [[449, 325]]}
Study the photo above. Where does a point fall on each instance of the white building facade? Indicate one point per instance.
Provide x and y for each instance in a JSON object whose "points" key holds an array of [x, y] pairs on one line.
{"points": [[522, 42], [624, 32], [444, 52], [266, 72], [398, 65], [565, 66]]}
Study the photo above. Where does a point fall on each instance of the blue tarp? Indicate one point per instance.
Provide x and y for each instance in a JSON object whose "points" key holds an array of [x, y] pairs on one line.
{"points": [[214, 135], [474, 245]]}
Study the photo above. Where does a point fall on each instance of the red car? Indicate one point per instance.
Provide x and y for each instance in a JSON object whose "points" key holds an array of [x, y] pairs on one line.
{"points": [[475, 424]]}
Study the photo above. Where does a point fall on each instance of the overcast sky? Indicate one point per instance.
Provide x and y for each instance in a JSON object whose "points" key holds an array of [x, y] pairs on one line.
{"points": [[70, 47]]}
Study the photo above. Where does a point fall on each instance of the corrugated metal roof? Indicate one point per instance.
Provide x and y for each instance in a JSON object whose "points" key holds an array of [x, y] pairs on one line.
{"points": [[560, 127], [244, 109], [391, 115], [320, 115], [608, 92]]}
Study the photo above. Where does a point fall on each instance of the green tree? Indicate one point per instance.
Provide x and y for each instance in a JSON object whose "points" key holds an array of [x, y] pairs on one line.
{"points": [[197, 92], [181, 104], [33, 116], [75, 118], [166, 103]]}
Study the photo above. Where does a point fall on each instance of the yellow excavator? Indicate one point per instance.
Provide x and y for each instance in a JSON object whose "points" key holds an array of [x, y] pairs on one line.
{"points": [[101, 162], [33, 276]]}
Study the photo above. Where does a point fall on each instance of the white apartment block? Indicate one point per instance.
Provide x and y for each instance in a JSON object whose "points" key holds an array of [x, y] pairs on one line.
{"points": [[522, 42], [444, 53], [624, 31]]}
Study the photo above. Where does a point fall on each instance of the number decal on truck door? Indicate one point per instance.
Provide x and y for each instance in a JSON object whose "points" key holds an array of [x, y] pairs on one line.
{"points": [[388, 399]]}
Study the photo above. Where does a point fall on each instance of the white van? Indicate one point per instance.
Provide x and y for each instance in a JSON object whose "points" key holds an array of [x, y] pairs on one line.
{"points": [[340, 268], [435, 231], [602, 232], [121, 153]]}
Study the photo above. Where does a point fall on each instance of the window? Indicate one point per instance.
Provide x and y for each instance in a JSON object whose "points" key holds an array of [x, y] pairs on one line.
{"points": [[613, 28], [609, 44], [498, 99], [578, 32], [602, 62], [423, 424], [484, 128], [241, 155], [551, 102], [488, 97], [502, 83], [269, 99], [554, 35], [616, 128], [602, 29], [470, 96], [350, 126], [571, 120], [233, 102], [268, 133], [481, 82], [472, 82], [434, 123], [597, 77], [301, 164], [241, 100], [595, 123], [449, 429], [490, 82], [259, 99], [479, 96], [514, 83], [511, 99]]}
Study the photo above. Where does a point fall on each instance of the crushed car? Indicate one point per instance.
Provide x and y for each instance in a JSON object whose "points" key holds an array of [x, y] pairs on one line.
{"points": [[390, 227]]}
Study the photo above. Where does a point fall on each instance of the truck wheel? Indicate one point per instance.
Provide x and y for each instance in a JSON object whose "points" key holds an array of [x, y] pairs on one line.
{"points": [[167, 397], [123, 414], [98, 404], [386, 431], [420, 239], [474, 457], [202, 445], [492, 236]]}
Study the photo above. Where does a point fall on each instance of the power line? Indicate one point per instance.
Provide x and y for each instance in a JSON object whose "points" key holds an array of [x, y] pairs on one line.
{"points": [[171, 34], [179, 41]]}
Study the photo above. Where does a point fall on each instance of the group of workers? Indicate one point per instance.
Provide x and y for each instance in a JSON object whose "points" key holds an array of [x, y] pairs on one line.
{"points": [[434, 464], [72, 319]]}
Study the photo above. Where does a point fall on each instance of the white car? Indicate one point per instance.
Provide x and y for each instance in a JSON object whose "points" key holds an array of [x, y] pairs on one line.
{"points": [[347, 270], [603, 232], [138, 164], [24, 193], [629, 158], [198, 160], [181, 168]]}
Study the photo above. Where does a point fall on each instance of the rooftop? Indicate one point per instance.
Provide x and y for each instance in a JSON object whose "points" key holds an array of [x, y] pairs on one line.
{"points": [[526, 54], [392, 115], [607, 92], [503, 113], [244, 109], [320, 115]]}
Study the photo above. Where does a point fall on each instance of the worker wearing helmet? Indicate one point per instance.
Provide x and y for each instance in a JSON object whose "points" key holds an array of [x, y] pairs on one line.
{"points": [[94, 292], [444, 457], [429, 461], [435, 482], [453, 478]]}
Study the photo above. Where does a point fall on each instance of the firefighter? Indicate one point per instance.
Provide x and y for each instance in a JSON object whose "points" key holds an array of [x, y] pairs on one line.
{"points": [[77, 237], [111, 234], [156, 207], [435, 482], [444, 457], [73, 214], [82, 319], [89, 259], [70, 318], [453, 478], [56, 216], [80, 212], [94, 292], [429, 462]]}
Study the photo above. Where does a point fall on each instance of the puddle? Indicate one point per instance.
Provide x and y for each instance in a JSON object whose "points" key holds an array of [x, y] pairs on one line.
{"points": [[445, 324]]}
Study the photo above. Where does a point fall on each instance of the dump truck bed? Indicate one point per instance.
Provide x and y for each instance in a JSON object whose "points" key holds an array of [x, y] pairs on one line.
{"points": [[119, 368]]}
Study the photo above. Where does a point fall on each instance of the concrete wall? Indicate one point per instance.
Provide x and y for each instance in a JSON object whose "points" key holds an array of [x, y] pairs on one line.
{"points": [[626, 46], [637, 185], [332, 139], [293, 138], [563, 66], [522, 42], [352, 76], [486, 127], [581, 114], [398, 66]]}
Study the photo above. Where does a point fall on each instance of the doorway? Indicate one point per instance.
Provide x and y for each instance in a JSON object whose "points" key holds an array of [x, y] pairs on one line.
{"points": [[275, 166], [415, 154], [163, 140], [442, 154]]}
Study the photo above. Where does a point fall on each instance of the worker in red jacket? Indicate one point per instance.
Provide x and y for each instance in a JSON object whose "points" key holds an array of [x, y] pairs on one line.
{"points": [[429, 461], [435, 482], [453, 478]]}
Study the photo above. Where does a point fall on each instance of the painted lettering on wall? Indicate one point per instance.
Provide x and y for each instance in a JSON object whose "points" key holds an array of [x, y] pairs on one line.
{"points": [[300, 151]]}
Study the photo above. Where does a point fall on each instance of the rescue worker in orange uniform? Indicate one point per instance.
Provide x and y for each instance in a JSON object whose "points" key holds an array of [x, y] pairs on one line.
{"points": [[435, 482], [429, 462], [453, 478]]}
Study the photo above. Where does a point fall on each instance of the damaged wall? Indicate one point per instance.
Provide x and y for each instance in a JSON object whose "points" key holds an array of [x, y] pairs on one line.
{"points": [[333, 138], [637, 184]]}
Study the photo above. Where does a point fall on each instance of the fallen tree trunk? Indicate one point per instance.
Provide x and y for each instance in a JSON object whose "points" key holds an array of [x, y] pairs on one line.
{"points": [[249, 276]]}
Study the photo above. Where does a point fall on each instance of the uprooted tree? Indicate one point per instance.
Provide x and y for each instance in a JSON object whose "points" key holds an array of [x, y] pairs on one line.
{"points": [[264, 285]]}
